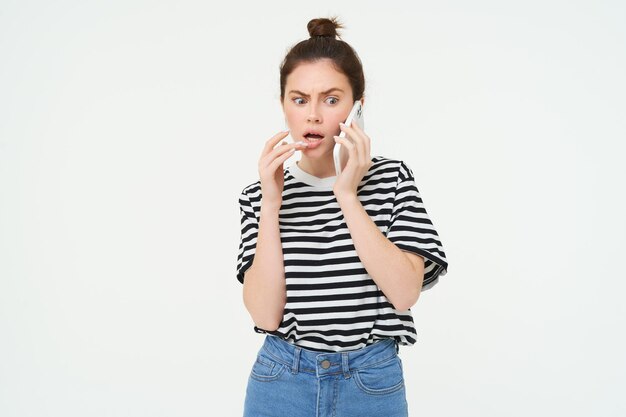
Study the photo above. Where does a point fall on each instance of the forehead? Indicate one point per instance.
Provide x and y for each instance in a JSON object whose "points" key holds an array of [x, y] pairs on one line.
{"points": [[317, 76]]}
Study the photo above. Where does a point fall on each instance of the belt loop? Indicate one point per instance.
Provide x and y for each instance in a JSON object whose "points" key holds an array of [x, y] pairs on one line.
{"points": [[296, 360], [397, 346], [344, 365]]}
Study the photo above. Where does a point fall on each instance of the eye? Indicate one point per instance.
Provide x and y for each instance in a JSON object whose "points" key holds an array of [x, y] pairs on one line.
{"points": [[333, 98], [297, 98]]}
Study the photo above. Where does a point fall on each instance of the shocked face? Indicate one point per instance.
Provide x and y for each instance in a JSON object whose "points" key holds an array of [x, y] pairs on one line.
{"points": [[317, 98]]}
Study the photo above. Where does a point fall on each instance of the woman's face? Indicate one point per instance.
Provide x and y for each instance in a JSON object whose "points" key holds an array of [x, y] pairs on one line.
{"points": [[317, 98]]}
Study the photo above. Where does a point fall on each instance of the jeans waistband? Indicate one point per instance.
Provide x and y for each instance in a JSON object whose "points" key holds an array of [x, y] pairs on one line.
{"points": [[299, 359]]}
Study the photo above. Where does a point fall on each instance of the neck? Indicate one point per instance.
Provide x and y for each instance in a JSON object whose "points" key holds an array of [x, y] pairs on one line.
{"points": [[320, 169]]}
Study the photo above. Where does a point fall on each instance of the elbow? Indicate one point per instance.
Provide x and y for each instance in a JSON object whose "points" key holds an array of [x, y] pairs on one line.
{"points": [[270, 327], [407, 300], [265, 315], [405, 304], [268, 321], [265, 308], [264, 318], [410, 290]]}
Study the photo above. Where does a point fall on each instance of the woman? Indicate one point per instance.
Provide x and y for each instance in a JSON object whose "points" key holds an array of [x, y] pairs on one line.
{"points": [[330, 265]]}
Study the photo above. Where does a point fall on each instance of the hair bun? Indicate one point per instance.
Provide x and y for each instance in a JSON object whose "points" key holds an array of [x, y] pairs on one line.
{"points": [[324, 27]]}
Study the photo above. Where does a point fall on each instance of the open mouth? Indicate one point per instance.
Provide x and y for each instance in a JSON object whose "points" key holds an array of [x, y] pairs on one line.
{"points": [[313, 138]]}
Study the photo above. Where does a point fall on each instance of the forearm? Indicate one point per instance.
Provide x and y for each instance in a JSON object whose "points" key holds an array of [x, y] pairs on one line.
{"points": [[264, 292], [387, 264]]}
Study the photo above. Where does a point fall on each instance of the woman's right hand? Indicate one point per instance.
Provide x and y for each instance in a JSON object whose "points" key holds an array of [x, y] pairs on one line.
{"points": [[271, 169]]}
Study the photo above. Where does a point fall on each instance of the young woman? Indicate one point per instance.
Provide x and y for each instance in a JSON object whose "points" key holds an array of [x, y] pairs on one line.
{"points": [[330, 265]]}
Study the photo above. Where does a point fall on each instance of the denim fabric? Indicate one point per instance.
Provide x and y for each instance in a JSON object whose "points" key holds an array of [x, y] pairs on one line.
{"points": [[290, 381]]}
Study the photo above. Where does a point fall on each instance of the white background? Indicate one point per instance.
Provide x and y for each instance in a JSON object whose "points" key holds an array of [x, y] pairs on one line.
{"points": [[128, 130]]}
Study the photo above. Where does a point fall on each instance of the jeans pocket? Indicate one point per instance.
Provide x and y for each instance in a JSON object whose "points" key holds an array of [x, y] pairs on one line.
{"points": [[265, 369], [383, 378]]}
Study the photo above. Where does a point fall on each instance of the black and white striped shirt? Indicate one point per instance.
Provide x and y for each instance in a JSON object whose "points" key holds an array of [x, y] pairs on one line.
{"points": [[332, 303]]}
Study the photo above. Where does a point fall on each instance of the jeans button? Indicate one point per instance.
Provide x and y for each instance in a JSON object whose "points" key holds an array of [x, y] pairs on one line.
{"points": [[325, 364]]}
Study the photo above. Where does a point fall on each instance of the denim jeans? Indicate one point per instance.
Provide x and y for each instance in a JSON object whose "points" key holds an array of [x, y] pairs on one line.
{"points": [[289, 381]]}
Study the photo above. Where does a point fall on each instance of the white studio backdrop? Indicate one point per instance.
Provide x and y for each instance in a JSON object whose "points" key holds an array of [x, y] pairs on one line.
{"points": [[128, 130]]}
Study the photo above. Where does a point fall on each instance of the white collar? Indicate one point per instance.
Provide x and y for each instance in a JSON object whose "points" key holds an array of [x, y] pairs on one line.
{"points": [[311, 180]]}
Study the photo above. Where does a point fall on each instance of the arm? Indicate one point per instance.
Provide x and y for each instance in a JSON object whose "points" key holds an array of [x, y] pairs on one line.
{"points": [[398, 274], [264, 293]]}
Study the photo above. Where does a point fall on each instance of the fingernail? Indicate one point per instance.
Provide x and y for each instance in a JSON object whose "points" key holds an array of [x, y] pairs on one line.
{"points": [[302, 143]]}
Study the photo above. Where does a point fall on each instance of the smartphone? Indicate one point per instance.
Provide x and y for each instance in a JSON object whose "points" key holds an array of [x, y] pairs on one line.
{"points": [[340, 152]]}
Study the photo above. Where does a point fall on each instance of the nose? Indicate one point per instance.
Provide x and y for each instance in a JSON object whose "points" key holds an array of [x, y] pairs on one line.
{"points": [[313, 114]]}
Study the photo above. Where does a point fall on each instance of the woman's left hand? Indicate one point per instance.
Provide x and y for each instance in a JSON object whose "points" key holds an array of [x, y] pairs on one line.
{"points": [[359, 160]]}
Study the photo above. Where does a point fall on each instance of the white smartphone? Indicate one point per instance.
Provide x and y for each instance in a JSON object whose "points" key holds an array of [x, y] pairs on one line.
{"points": [[340, 152]]}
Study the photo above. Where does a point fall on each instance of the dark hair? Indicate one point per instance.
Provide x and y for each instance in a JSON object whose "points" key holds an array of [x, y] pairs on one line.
{"points": [[322, 44]]}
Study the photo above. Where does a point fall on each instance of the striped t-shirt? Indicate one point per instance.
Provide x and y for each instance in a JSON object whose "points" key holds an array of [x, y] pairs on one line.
{"points": [[332, 303]]}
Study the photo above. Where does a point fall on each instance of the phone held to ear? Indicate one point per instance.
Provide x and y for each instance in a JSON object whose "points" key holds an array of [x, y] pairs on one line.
{"points": [[340, 152]]}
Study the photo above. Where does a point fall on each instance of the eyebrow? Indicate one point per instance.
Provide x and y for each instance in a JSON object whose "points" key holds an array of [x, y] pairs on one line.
{"points": [[323, 92]]}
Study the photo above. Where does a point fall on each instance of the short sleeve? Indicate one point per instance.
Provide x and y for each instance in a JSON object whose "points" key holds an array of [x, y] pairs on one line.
{"points": [[411, 229], [248, 237]]}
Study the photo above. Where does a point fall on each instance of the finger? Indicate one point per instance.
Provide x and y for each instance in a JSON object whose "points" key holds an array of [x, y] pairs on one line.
{"points": [[366, 141], [271, 142], [286, 146], [278, 162], [363, 134], [350, 131], [359, 141], [354, 126], [352, 150], [280, 150]]}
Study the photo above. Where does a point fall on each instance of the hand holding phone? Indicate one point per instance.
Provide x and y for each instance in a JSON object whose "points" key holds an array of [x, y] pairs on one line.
{"points": [[340, 153]]}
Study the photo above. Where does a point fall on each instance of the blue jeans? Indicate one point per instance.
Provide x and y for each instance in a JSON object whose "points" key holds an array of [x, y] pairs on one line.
{"points": [[290, 381]]}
